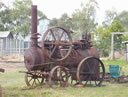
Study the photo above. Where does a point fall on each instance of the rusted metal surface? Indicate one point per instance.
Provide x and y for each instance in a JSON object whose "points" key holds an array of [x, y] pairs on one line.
{"points": [[34, 27], [34, 55], [60, 55], [58, 77], [86, 74], [2, 70], [34, 78], [56, 44]]}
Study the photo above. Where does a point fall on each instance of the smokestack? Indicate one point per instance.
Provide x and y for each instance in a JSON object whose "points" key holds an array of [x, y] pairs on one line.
{"points": [[34, 19], [34, 27]]}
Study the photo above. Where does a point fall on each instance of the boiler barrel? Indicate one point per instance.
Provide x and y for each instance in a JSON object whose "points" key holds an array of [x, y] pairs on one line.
{"points": [[77, 55]]}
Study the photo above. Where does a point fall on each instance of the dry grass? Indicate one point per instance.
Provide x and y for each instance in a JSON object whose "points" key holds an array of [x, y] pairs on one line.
{"points": [[13, 85], [12, 58]]}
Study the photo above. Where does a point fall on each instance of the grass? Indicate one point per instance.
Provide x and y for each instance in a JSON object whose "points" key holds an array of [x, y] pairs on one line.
{"points": [[13, 85], [121, 63]]}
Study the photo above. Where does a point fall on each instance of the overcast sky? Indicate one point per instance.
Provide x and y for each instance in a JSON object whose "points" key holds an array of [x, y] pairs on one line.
{"points": [[55, 8]]}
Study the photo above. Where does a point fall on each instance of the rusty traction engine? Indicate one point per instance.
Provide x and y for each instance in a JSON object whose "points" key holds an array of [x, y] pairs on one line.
{"points": [[58, 59]]}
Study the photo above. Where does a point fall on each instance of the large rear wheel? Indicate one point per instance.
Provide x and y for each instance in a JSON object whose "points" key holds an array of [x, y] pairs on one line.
{"points": [[90, 71]]}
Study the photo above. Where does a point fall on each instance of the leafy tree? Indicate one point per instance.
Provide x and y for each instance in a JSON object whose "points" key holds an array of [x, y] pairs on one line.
{"points": [[83, 19], [109, 17], [53, 22], [123, 18], [117, 27], [104, 41], [4, 16], [18, 18], [65, 21]]}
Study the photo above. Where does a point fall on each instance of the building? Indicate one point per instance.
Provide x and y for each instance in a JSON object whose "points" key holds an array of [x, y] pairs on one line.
{"points": [[42, 27], [6, 41]]}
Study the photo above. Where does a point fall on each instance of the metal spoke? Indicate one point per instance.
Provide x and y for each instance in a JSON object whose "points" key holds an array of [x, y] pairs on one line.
{"points": [[30, 80], [88, 66], [53, 51], [60, 52], [87, 80], [61, 35], [53, 35], [38, 80], [33, 82]]}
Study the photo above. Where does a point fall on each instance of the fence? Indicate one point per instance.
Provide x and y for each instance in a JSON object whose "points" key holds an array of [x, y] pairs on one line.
{"points": [[17, 47]]}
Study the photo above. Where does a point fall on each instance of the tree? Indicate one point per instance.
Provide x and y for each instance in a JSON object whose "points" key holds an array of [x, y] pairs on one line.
{"points": [[117, 27], [4, 17], [53, 22], [63, 21], [104, 40], [83, 19], [109, 17], [123, 18], [18, 18]]}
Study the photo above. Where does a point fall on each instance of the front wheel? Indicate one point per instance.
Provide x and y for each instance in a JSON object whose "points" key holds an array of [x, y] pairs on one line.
{"points": [[34, 78], [58, 77]]}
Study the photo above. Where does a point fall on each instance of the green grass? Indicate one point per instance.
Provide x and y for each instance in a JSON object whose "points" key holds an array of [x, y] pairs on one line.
{"points": [[121, 63], [13, 85]]}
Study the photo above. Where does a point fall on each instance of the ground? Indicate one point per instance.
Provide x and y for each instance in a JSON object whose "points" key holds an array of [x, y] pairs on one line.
{"points": [[13, 85]]}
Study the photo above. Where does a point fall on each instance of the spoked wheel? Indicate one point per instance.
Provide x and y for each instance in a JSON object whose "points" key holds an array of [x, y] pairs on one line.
{"points": [[34, 79], [91, 72], [58, 77], [57, 43]]}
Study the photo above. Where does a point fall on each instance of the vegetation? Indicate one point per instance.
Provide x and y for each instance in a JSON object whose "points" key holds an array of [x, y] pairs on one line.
{"points": [[13, 85], [82, 21], [17, 19]]}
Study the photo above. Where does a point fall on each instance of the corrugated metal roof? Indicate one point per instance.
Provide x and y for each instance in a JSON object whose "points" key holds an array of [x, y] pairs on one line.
{"points": [[18, 36], [4, 34]]}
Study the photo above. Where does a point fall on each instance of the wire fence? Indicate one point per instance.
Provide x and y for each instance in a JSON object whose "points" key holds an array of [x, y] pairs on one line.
{"points": [[12, 51]]}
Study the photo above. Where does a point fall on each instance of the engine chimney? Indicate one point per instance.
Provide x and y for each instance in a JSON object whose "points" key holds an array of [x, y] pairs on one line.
{"points": [[34, 27]]}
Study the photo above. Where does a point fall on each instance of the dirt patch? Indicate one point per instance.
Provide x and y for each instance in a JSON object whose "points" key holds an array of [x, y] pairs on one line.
{"points": [[12, 58], [12, 66]]}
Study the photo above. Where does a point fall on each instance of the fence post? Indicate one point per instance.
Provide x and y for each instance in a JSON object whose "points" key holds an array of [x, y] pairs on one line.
{"points": [[112, 47]]}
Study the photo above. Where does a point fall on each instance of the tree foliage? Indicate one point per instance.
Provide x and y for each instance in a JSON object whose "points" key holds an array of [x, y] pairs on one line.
{"points": [[63, 21], [123, 18], [4, 16], [109, 17], [103, 42], [82, 20], [18, 18]]}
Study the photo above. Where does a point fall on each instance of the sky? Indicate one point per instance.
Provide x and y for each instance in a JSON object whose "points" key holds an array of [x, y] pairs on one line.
{"points": [[55, 8]]}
